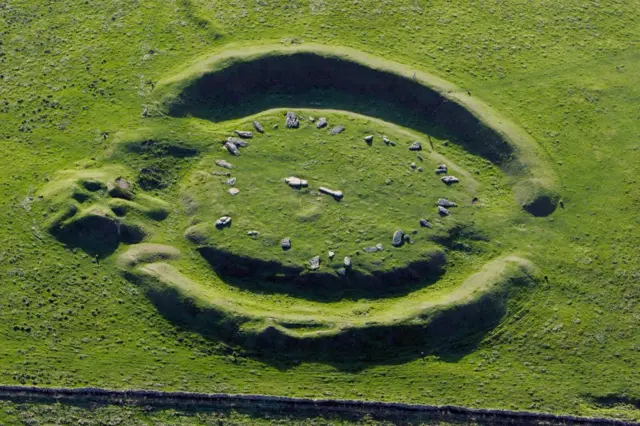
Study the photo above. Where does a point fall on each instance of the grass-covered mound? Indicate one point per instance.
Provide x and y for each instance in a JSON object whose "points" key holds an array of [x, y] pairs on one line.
{"points": [[97, 209], [408, 325]]}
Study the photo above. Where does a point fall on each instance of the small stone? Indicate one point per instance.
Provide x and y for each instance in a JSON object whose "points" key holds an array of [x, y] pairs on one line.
{"points": [[314, 263], [295, 182], [239, 143], [331, 254], [123, 183], [231, 181], [335, 194], [443, 211], [243, 134], [342, 272], [322, 122], [385, 140], [416, 146], [232, 148], [425, 223], [380, 247], [258, 126], [291, 120], [312, 119], [285, 243], [398, 238], [450, 179], [442, 169], [347, 262], [336, 130], [223, 221], [412, 165], [387, 181], [225, 164], [253, 233], [368, 139], [275, 126], [446, 203], [420, 169], [407, 238], [370, 249], [234, 191]]}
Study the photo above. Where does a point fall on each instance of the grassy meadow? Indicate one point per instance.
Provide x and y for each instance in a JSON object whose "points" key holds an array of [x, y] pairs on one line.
{"points": [[75, 78]]}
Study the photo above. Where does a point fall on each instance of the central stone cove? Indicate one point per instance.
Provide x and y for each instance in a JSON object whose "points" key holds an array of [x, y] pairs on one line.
{"points": [[337, 201]]}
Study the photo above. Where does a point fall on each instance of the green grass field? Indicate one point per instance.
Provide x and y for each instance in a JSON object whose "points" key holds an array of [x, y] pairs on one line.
{"points": [[556, 80]]}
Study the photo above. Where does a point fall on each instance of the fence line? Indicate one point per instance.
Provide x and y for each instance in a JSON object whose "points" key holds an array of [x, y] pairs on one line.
{"points": [[151, 397]]}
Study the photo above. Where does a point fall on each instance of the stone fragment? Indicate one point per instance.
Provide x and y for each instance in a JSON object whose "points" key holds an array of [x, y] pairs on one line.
{"points": [[443, 211], [342, 272], [234, 191], [425, 223], [335, 194], [243, 134], [232, 148], [380, 247], [238, 142], [337, 130], [412, 165], [420, 169], [253, 233], [385, 140], [295, 182], [223, 221], [347, 262], [322, 122], [231, 181], [120, 188], [398, 238], [416, 146], [372, 249], [258, 126], [314, 263], [291, 120], [442, 169], [331, 254], [446, 203], [450, 179], [407, 238], [285, 243], [368, 139]]}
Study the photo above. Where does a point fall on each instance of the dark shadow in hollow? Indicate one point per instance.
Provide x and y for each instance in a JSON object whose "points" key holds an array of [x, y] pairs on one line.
{"points": [[270, 277], [308, 80]]}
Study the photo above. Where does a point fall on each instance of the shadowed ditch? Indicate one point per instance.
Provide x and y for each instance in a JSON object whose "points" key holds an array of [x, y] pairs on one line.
{"points": [[261, 276], [308, 80]]}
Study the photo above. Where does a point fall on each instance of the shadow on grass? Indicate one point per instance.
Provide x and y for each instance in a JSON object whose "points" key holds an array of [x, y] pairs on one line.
{"points": [[307, 80], [448, 333], [270, 277]]}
